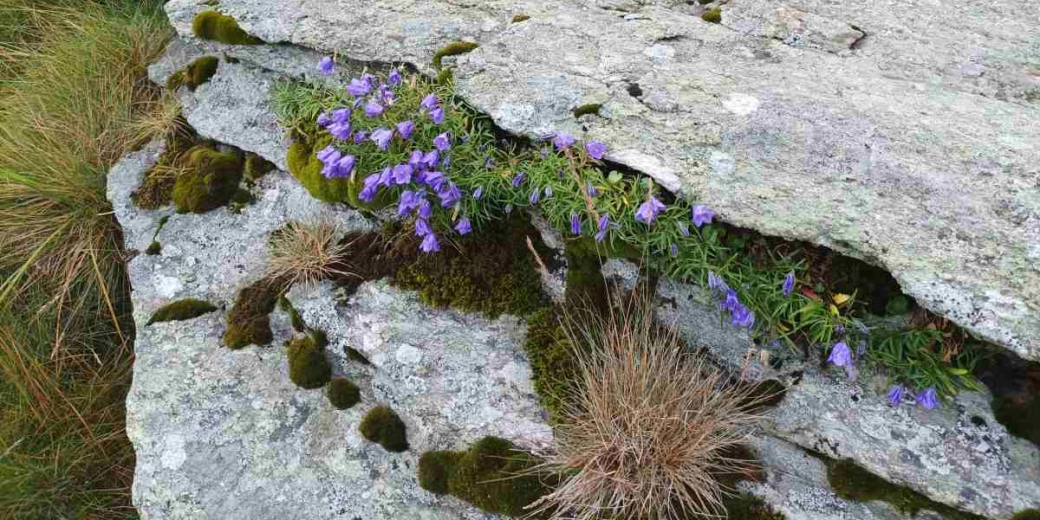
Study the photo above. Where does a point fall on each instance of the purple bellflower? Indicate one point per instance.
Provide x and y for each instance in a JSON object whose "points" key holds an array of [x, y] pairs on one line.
{"points": [[340, 130], [408, 202], [603, 226], [477, 193], [405, 129], [425, 210], [591, 190], [370, 188], [431, 158], [449, 194], [683, 228], [743, 317], [788, 285], [702, 215], [325, 65], [422, 228], [324, 154], [429, 102], [430, 244], [358, 88], [547, 192], [895, 395], [927, 398], [648, 211], [437, 115], [373, 109], [415, 160], [341, 115], [394, 79], [344, 167], [442, 141], [323, 120], [386, 177], [575, 224], [595, 149], [382, 138], [563, 141], [434, 179], [840, 355], [533, 199], [402, 174], [463, 227], [360, 136], [518, 179]]}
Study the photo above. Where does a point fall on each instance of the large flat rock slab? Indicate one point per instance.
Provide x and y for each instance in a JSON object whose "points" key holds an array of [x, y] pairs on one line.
{"points": [[222, 434], [901, 133]]}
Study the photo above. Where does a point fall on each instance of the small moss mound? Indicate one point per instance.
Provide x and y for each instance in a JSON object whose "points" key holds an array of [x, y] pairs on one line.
{"points": [[382, 425], [354, 354], [852, 482], [487, 475], [212, 25], [712, 15], [553, 367], [305, 166], [517, 18], [452, 49], [1028, 514], [180, 310], [249, 320], [343, 393], [256, 167], [195, 74], [308, 366], [210, 182], [154, 248], [156, 190], [588, 108]]}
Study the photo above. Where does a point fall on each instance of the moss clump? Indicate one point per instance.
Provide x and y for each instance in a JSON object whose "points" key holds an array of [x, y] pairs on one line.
{"points": [[748, 507], [305, 166], [342, 393], [517, 18], [294, 316], [712, 15], [354, 354], [553, 367], [256, 167], [491, 272], [249, 320], [585, 285], [1028, 514], [180, 310], [588, 108], [452, 49], [210, 181], [154, 248], [195, 74], [308, 367], [487, 475], [212, 25], [852, 482], [382, 425], [156, 190]]}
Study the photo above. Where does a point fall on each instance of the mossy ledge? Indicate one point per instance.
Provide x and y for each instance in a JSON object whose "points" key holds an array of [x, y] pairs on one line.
{"points": [[210, 181], [487, 475], [212, 25], [382, 425], [853, 482], [308, 366], [181, 310], [452, 49], [343, 393], [249, 321], [195, 74], [586, 109], [306, 167]]}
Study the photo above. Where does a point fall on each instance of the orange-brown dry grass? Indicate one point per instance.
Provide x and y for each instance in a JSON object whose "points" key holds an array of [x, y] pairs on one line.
{"points": [[306, 253], [649, 428]]}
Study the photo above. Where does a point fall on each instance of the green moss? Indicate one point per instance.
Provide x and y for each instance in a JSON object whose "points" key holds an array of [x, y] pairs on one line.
{"points": [[585, 285], [452, 49], [852, 482], [491, 272], [487, 475], [1028, 514], [748, 507], [517, 18], [553, 367], [294, 316], [256, 167], [354, 354], [210, 181], [305, 166], [249, 320], [382, 425], [308, 366], [195, 74], [180, 310], [445, 77], [704, 2], [342, 393], [154, 248], [713, 15], [588, 108], [212, 25], [156, 190]]}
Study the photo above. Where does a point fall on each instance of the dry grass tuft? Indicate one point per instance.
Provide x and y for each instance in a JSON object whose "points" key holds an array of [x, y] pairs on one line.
{"points": [[649, 428], [307, 252]]}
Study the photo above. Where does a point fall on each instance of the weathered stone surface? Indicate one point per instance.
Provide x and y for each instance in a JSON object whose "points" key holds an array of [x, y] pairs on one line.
{"points": [[957, 454], [914, 150], [224, 434]]}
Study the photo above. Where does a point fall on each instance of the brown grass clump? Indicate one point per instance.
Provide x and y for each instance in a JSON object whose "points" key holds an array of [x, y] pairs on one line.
{"points": [[306, 253], [649, 428]]}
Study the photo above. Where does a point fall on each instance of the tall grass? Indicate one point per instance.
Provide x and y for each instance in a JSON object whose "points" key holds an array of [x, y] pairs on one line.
{"points": [[74, 98]]}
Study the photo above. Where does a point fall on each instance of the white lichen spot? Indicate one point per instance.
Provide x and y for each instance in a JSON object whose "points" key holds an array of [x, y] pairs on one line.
{"points": [[660, 52], [408, 355], [173, 456], [722, 163], [741, 104], [167, 286]]}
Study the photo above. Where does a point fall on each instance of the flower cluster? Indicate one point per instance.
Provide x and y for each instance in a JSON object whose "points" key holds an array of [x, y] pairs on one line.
{"points": [[740, 314]]}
